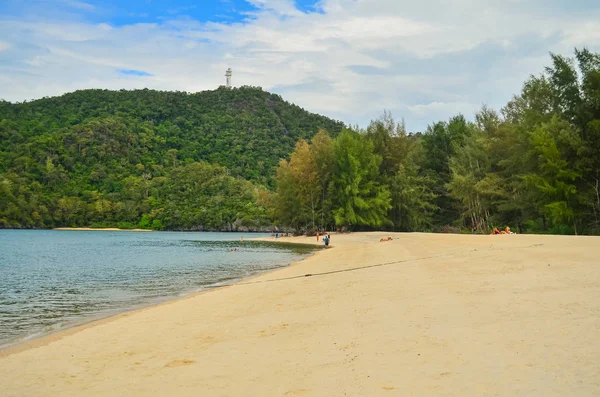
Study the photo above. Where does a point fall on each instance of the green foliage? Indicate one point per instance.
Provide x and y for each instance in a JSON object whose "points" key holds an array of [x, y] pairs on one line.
{"points": [[440, 143], [334, 179], [538, 168], [212, 160], [412, 199], [302, 201], [107, 157], [203, 196], [412, 206], [358, 199]]}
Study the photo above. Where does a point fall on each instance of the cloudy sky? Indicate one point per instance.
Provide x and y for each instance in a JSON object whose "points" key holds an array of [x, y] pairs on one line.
{"points": [[348, 59]]}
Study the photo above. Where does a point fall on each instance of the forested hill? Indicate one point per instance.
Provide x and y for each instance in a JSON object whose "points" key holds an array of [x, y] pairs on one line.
{"points": [[94, 156], [233, 159], [246, 130]]}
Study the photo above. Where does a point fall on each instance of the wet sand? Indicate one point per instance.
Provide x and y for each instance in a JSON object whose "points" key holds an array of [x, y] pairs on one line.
{"points": [[422, 315]]}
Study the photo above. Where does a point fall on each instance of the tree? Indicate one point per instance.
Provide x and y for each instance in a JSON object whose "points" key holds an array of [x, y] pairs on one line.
{"points": [[287, 200], [411, 199], [322, 152], [118, 143], [359, 200], [555, 177], [440, 143], [304, 171]]}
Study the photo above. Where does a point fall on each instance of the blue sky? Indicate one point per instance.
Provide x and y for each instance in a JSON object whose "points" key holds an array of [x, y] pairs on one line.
{"points": [[349, 59], [122, 13]]}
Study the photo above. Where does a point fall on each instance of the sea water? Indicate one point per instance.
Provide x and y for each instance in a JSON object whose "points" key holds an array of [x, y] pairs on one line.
{"points": [[56, 279]]}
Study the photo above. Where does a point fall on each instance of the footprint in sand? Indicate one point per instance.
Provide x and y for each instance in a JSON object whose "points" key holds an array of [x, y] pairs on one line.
{"points": [[179, 363]]}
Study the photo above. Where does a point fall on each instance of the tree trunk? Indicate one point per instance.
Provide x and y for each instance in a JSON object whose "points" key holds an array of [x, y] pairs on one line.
{"points": [[544, 222]]}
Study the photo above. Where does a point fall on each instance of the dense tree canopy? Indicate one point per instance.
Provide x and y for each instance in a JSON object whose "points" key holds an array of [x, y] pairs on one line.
{"points": [[99, 157], [243, 157], [534, 166]]}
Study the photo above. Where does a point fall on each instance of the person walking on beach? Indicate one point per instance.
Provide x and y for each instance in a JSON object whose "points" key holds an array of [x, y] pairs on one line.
{"points": [[317, 237]]}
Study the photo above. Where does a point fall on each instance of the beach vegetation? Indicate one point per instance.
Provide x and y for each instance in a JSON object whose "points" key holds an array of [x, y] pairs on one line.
{"points": [[243, 158]]}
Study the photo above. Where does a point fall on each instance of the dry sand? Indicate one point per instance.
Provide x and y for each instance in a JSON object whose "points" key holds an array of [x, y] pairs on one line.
{"points": [[450, 316]]}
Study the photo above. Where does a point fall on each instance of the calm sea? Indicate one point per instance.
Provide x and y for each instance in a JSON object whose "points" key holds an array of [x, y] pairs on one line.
{"points": [[55, 279]]}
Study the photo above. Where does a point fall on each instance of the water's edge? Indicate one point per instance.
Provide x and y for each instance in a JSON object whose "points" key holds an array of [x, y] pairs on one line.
{"points": [[41, 339]]}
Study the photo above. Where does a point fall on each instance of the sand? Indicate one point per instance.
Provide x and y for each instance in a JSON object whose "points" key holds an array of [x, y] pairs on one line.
{"points": [[445, 315]]}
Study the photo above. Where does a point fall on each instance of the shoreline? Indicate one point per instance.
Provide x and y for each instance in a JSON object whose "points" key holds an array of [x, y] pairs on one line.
{"points": [[52, 336], [422, 314], [100, 229]]}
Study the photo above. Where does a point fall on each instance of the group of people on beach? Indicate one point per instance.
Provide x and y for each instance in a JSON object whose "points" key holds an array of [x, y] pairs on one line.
{"points": [[326, 239], [277, 235], [505, 231], [496, 231]]}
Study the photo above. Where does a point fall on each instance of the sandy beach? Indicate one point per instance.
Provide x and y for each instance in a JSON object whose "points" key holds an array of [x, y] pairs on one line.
{"points": [[421, 315]]}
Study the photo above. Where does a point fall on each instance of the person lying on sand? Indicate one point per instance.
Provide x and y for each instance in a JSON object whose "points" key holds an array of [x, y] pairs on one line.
{"points": [[495, 231], [385, 239], [506, 231]]}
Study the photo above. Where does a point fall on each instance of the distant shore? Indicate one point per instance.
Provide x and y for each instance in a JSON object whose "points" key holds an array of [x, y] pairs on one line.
{"points": [[104, 229], [420, 314]]}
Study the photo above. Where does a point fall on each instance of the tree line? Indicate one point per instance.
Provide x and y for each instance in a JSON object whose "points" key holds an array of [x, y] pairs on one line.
{"points": [[243, 158], [534, 165]]}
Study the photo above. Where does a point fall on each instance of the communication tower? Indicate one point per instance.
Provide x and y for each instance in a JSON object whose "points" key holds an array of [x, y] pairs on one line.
{"points": [[228, 74]]}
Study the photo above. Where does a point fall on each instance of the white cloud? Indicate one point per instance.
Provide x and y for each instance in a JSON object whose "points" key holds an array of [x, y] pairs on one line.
{"points": [[442, 108], [423, 60], [36, 61], [4, 46], [281, 7], [81, 5]]}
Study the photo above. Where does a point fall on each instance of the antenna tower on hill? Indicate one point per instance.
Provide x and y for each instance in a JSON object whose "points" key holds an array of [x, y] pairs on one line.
{"points": [[228, 74]]}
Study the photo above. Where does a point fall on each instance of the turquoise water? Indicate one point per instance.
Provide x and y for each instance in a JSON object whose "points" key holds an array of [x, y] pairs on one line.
{"points": [[55, 279]]}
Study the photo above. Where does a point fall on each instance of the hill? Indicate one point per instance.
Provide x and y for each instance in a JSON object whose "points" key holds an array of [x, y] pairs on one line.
{"points": [[103, 157], [170, 160]]}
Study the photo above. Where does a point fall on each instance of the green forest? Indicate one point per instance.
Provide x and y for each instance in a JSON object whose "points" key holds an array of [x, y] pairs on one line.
{"points": [[149, 159], [240, 159]]}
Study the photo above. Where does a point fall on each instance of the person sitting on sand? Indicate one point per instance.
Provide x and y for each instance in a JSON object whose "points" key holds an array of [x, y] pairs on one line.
{"points": [[506, 231]]}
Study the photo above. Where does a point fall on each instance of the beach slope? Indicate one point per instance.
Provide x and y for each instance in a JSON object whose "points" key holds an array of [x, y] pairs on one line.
{"points": [[421, 315]]}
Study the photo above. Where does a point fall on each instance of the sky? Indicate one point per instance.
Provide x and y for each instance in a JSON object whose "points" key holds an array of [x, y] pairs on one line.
{"points": [[424, 61]]}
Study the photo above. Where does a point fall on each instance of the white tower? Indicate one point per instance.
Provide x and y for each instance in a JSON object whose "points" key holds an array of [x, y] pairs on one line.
{"points": [[228, 74]]}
